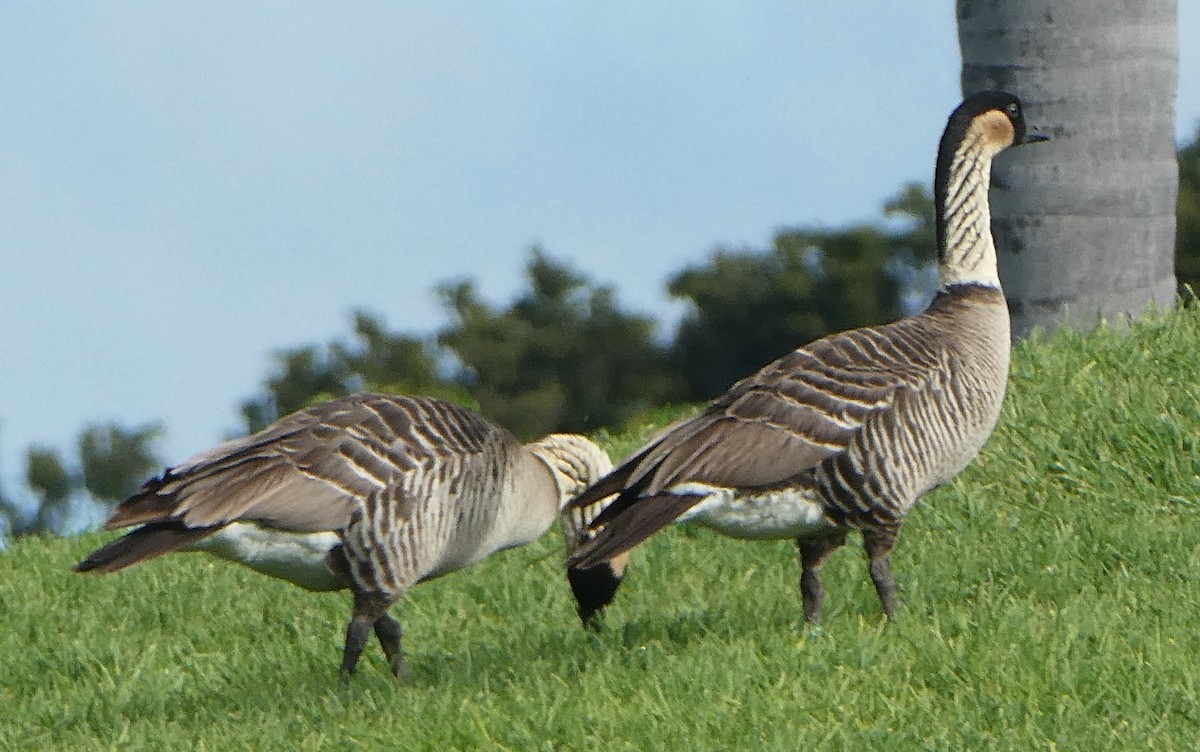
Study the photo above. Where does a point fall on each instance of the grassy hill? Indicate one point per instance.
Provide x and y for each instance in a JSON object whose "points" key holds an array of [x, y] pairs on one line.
{"points": [[1049, 602]]}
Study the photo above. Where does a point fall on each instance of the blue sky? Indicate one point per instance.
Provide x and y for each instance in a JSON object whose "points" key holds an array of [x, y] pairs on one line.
{"points": [[187, 187]]}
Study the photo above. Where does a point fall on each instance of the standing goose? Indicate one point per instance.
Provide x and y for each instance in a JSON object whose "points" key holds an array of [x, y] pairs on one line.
{"points": [[368, 492], [847, 432]]}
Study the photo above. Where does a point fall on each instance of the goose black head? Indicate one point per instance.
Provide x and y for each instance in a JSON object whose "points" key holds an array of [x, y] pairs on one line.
{"points": [[996, 116]]}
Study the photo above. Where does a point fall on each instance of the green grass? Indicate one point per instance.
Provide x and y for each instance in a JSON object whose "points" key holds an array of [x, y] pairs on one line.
{"points": [[1048, 601]]}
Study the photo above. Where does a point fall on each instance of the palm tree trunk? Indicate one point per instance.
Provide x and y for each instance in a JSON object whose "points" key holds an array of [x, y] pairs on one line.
{"points": [[1085, 224]]}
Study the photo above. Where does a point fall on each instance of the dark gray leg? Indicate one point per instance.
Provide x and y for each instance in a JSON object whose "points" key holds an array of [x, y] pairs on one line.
{"points": [[813, 553], [878, 544], [356, 639], [369, 610], [388, 631]]}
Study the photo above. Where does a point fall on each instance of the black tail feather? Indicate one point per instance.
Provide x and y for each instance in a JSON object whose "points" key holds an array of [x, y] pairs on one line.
{"points": [[145, 543], [633, 523], [613, 483]]}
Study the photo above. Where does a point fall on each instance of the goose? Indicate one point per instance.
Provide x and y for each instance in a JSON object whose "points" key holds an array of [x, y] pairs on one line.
{"points": [[849, 431], [369, 492]]}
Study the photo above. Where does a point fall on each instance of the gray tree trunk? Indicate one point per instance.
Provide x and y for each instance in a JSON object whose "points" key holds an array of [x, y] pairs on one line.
{"points": [[1084, 224]]}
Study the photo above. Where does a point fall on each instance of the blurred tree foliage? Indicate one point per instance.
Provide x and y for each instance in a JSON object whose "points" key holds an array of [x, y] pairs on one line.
{"points": [[562, 357], [52, 483], [374, 360], [750, 307], [114, 462], [111, 463], [1187, 216]]}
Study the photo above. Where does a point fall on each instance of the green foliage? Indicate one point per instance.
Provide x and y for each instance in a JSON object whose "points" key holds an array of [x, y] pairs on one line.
{"points": [[112, 463], [1048, 602], [375, 360], [562, 356], [47, 475], [53, 483], [115, 461], [301, 376], [380, 357], [749, 308], [1187, 216], [913, 205]]}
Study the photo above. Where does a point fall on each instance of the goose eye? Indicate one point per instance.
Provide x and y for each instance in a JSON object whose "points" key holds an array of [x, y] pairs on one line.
{"points": [[1013, 110]]}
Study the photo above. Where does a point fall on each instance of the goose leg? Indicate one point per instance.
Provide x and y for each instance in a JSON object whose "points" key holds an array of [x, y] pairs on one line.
{"points": [[369, 609], [878, 544], [356, 638], [813, 553], [388, 631]]}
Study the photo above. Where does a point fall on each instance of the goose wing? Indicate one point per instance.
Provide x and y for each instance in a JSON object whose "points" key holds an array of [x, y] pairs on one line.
{"points": [[311, 470], [767, 429]]}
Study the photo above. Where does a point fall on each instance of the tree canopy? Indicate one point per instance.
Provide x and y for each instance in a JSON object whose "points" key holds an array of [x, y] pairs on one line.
{"points": [[111, 463], [374, 359], [115, 461], [562, 356]]}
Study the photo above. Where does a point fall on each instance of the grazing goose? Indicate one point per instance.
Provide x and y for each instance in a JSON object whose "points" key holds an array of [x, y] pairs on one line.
{"points": [[847, 432], [368, 492]]}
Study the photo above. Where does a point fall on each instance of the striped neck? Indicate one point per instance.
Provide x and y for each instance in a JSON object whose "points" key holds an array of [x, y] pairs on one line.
{"points": [[966, 253], [573, 461]]}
